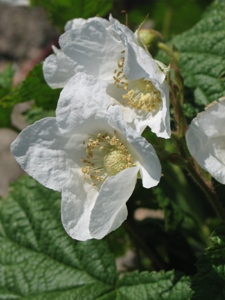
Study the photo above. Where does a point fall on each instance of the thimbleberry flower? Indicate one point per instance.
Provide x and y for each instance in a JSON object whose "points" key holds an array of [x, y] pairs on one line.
{"points": [[109, 50], [205, 139], [90, 155]]}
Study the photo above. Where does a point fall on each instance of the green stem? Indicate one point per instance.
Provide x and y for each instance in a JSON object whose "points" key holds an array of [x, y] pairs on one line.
{"points": [[167, 21], [176, 101], [168, 51]]}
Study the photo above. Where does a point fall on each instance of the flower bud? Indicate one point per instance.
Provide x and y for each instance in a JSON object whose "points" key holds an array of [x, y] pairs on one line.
{"points": [[150, 38]]}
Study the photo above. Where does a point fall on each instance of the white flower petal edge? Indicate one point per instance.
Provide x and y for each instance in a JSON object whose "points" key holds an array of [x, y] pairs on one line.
{"points": [[108, 50], [82, 97], [78, 22], [41, 151], [109, 215], [58, 69], [160, 122], [206, 139]]}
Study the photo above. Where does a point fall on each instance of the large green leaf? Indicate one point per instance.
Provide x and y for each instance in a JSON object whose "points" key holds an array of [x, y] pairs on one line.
{"points": [[154, 286], [202, 55], [38, 260], [209, 282]]}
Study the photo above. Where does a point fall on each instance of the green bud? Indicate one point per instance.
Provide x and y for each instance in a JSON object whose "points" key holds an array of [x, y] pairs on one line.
{"points": [[149, 38]]}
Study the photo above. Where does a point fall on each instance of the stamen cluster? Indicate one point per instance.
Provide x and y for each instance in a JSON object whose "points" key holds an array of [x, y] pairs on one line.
{"points": [[106, 156], [145, 98], [141, 95]]}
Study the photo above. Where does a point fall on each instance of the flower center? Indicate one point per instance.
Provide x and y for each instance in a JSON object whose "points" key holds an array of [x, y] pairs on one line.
{"points": [[140, 94], [106, 156]]}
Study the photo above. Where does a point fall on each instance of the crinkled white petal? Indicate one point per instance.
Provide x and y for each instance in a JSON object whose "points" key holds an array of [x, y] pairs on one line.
{"points": [[206, 140], [82, 102], [142, 151], [92, 49], [58, 69], [109, 211], [41, 151], [160, 123], [78, 200], [79, 22], [138, 63]]}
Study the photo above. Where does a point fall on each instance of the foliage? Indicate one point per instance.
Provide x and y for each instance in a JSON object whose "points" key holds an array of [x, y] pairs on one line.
{"points": [[60, 11], [39, 261], [6, 80], [202, 55], [209, 282]]}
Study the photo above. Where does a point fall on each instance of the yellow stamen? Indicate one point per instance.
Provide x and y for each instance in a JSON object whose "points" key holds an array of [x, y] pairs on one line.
{"points": [[106, 156], [141, 94]]}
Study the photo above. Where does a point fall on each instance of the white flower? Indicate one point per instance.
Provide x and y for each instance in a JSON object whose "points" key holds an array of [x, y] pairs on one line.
{"points": [[90, 155], [206, 139], [109, 50]]}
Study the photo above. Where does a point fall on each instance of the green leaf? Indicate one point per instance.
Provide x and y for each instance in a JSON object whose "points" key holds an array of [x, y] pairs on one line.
{"points": [[37, 113], [34, 87], [61, 11], [202, 55], [155, 286], [38, 260], [6, 80], [209, 282], [5, 119]]}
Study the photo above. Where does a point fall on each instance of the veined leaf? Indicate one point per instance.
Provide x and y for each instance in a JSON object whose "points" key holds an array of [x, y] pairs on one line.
{"points": [[209, 282], [202, 55], [38, 260]]}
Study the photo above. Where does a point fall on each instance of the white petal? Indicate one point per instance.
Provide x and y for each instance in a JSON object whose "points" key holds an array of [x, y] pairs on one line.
{"points": [[143, 151], [79, 22], [58, 69], [205, 140], [138, 63], [211, 121], [109, 211], [78, 200], [82, 102], [41, 152], [93, 50], [75, 23]]}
